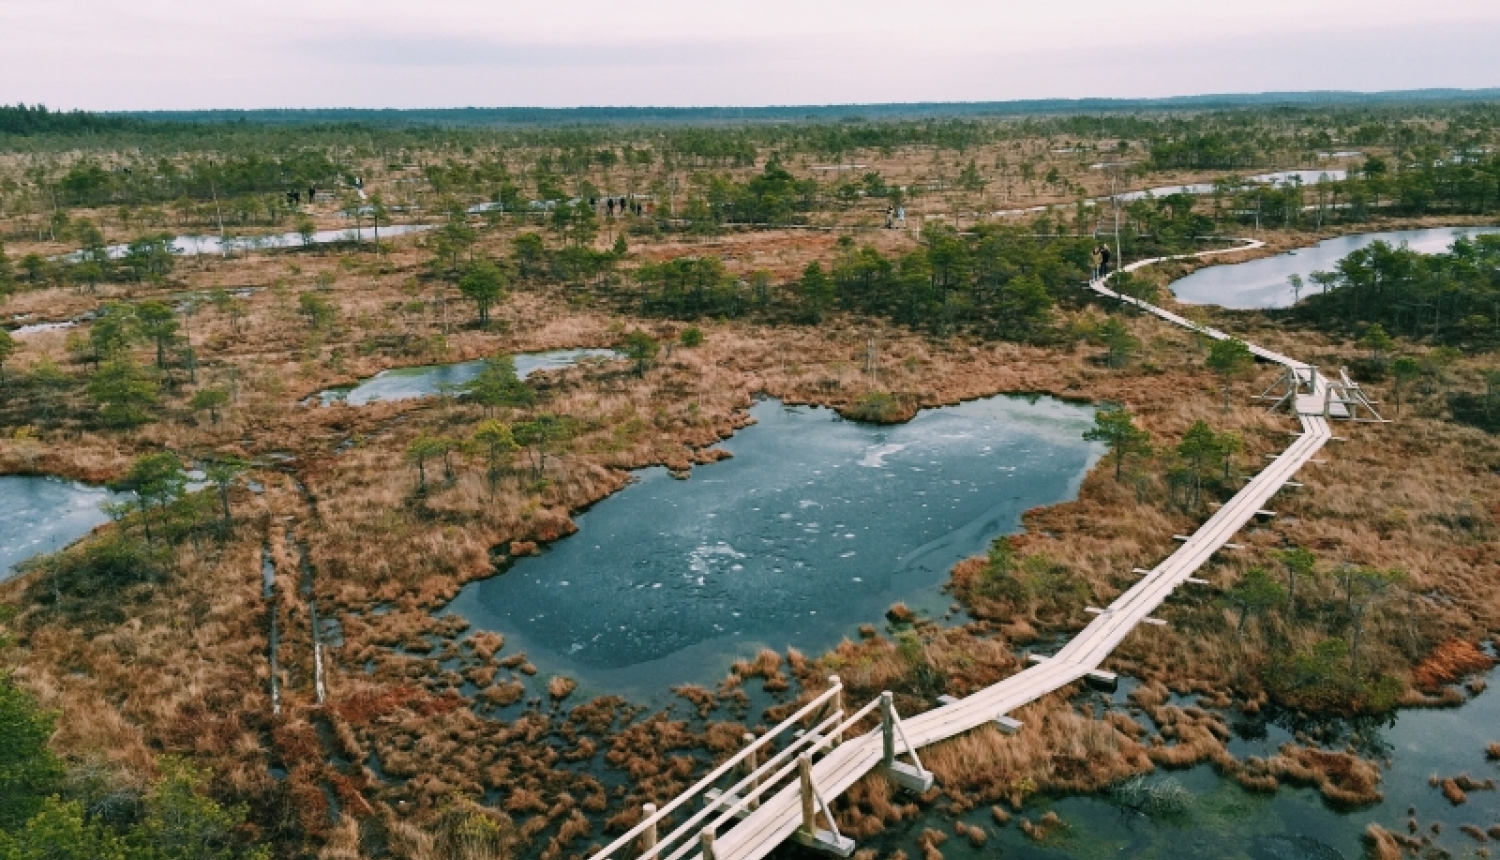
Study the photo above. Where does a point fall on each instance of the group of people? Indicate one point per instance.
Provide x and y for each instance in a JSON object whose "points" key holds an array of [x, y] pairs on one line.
{"points": [[1101, 260], [623, 206], [294, 197], [893, 215]]}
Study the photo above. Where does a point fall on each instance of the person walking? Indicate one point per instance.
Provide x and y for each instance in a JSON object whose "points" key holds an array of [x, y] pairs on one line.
{"points": [[901, 216], [890, 217], [1103, 261], [1096, 258]]}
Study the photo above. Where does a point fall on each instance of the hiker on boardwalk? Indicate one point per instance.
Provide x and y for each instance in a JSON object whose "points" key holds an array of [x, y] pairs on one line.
{"points": [[890, 217], [1101, 261], [901, 216], [1096, 259]]}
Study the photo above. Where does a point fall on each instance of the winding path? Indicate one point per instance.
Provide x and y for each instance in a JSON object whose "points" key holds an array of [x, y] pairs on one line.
{"points": [[780, 815]]}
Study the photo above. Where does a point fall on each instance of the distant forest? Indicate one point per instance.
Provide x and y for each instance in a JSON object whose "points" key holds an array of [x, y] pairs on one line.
{"points": [[21, 120], [24, 121], [496, 116]]}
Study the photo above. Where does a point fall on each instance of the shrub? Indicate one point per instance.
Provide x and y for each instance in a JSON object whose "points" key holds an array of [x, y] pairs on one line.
{"points": [[28, 769], [1320, 679], [74, 578], [879, 407]]}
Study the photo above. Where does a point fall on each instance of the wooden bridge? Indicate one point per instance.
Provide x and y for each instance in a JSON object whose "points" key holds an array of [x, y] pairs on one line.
{"points": [[781, 783]]}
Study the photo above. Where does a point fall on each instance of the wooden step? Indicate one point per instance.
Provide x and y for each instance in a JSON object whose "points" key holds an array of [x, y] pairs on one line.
{"points": [[1098, 676], [826, 841], [1007, 725], [1103, 680], [909, 778]]}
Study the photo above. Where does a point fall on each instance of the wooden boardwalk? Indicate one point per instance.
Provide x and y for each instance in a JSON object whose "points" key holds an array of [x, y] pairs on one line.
{"points": [[769, 805]]}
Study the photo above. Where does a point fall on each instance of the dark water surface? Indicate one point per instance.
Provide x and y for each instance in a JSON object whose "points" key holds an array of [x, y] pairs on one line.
{"points": [[816, 526], [1264, 283], [1225, 821], [40, 515]]}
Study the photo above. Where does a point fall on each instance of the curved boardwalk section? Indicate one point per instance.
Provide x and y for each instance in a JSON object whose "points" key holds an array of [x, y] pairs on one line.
{"points": [[786, 794]]}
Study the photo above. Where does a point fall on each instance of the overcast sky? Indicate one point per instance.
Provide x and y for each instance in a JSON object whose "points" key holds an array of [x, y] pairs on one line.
{"points": [[175, 54]]}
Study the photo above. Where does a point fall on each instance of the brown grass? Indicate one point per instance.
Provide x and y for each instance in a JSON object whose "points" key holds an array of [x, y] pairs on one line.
{"points": [[1343, 779], [1449, 662], [1381, 844], [560, 688]]}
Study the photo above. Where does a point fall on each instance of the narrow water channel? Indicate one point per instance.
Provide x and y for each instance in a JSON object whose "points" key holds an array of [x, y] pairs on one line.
{"points": [[195, 245], [407, 383], [816, 526]]}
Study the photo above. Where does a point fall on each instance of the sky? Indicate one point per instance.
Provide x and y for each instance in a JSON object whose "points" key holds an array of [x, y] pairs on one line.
{"points": [[176, 54]]}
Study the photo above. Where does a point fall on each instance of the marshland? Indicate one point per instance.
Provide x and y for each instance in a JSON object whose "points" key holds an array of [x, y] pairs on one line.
{"points": [[409, 607]]}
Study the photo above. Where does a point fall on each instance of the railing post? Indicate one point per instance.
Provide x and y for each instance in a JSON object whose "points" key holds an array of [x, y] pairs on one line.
{"points": [[887, 729], [706, 840], [750, 765], [837, 704], [804, 773], [648, 839]]}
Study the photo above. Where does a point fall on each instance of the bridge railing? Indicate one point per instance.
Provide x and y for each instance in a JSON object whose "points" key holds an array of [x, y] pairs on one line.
{"points": [[762, 779], [830, 700], [745, 795]]}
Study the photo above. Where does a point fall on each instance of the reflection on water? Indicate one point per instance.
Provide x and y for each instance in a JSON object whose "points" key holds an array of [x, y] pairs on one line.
{"points": [[41, 515], [407, 383], [815, 526], [1264, 283]]}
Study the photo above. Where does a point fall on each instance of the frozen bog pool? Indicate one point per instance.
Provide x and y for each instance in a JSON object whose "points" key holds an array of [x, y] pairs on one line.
{"points": [[815, 526]]}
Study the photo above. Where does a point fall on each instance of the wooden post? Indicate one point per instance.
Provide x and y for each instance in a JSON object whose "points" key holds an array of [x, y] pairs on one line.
{"points": [[648, 839], [837, 705], [888, 729], [750, 766], [804, 772], [706, 839]]}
